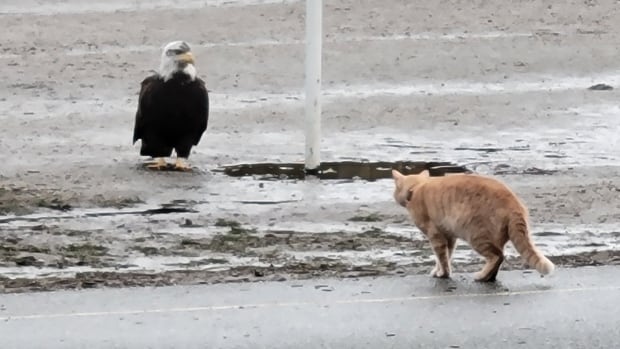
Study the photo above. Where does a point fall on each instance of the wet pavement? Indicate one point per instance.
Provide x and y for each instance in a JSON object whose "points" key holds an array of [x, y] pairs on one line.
{"points": [[570, 309], [500, 94]]}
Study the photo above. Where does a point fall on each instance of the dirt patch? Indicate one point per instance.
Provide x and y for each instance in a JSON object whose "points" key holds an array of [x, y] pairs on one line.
{"points": [[291, 271], [247, 242], [202, 239], [276, 255], [14, 252], [371, 217], [23, 200]]}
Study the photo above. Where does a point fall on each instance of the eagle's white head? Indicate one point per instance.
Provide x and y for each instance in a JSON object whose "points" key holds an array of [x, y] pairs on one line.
{"points": [[177, 57]]}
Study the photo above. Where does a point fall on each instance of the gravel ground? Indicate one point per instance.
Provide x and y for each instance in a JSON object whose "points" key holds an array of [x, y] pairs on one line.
{"points": [[503, 91]]}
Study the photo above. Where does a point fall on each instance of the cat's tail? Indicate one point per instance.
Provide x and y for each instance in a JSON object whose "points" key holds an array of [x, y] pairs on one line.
{"points": [[520, 237]]}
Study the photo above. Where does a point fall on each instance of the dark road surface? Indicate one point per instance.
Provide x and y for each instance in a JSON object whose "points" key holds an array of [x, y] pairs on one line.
{"points": [[575, 308]]}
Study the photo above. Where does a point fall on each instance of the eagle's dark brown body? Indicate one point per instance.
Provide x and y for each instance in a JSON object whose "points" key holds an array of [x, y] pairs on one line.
{"points": [[172, 115]]}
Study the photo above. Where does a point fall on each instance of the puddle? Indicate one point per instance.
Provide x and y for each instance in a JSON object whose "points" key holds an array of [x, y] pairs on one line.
{"points": [[369, 171]]}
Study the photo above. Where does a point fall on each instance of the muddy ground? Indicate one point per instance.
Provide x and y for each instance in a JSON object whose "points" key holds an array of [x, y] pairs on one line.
{"points": [[273, 256], [503, 91]]}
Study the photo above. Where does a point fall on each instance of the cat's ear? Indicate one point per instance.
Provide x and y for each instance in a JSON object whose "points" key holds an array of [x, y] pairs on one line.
{"points": [[397, 175], [424, 173]]}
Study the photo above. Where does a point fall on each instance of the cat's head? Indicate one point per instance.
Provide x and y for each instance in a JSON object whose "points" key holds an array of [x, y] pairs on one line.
{"points": [[404, 185]]}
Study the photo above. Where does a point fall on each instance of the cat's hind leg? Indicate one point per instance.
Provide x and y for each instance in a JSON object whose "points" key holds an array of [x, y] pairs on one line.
{"points": [[494, 257]]}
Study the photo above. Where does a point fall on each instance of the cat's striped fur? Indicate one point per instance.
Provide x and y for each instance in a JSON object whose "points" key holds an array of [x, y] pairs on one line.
{"points": [[480, 210]]}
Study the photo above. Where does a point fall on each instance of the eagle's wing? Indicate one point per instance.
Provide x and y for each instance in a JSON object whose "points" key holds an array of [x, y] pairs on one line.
{"points": [[203, 106], [144, 101]]}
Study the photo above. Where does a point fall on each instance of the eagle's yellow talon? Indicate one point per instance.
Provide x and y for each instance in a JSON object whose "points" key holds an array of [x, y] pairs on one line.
{"points": [[158, 164], [182, 165]]}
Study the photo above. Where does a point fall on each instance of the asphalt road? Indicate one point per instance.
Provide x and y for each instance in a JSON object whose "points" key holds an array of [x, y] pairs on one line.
{"points": [[571, 309]]}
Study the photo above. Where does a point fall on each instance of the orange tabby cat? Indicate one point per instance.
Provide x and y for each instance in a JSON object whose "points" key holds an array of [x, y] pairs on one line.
{"points": [[480, 210]]}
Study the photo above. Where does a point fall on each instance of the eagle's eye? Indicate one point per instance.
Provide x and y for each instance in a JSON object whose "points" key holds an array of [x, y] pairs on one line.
{"points": [[173, 52]]}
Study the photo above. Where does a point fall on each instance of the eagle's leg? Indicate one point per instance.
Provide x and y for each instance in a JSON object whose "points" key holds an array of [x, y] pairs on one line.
{"points": [[158, 164], [181, 164]]}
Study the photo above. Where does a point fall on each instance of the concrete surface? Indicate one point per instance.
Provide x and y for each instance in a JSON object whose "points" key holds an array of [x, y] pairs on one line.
{"points": [[574, 308]]}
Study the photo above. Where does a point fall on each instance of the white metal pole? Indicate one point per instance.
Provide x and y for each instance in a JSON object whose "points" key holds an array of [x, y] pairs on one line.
{"points": [[314, 36]]}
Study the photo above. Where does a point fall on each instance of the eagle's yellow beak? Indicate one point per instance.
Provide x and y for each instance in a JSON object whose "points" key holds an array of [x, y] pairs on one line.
{"points": [[186, 57]]}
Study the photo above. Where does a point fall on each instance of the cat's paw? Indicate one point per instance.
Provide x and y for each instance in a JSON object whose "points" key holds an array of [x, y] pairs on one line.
{"points": [[438, 272], [484, 277]]}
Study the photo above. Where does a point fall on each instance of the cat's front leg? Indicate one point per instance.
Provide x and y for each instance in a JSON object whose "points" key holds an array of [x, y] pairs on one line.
{"points": [[437, 271], [440, 244]]}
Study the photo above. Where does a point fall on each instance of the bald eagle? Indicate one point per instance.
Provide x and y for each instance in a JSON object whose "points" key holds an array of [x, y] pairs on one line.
{"points": [[173, 109]]}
